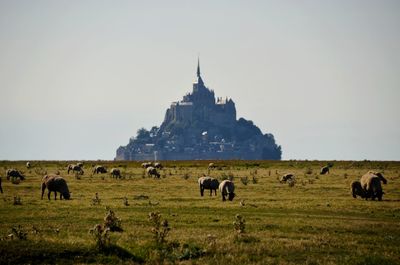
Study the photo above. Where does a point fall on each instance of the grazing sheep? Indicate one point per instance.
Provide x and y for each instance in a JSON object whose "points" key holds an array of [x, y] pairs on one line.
{"points": [[99, 169], [56, 184], [211, 166], [357, 190], [227, 188], [371, 183], [286, 177], [324, 170], [151, 171], [13, 173], [28, 164], [115, 172], [75, 168], [158, 165], [208, 183], [1, 188], [147, 164]]}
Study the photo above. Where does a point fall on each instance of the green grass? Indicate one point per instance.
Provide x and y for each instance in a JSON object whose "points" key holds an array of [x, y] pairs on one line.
{"points": [[315, 222]]}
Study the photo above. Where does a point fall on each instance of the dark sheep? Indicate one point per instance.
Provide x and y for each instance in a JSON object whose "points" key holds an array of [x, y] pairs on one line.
{"points": [[208, 183], [13, 173], [151, 171], [357, 190], [324, 170], [286, 177], [227, 188], [99, 169], [371, 183], [158, 165], [55, 183], [75, 168], [115, 172]]}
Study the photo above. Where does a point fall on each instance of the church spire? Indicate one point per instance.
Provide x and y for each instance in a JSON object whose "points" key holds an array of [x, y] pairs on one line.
{"points": [[198, 66], [199, 79]]}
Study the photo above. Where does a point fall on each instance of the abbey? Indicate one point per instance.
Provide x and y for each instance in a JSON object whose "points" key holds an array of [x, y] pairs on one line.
{"points": [[201, 127]]}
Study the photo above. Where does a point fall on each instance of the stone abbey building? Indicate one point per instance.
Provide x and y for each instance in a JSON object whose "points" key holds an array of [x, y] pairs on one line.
{"points": [[201, 127]]}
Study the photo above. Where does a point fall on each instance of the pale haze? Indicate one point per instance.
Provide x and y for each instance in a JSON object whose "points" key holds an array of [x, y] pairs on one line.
{"points": [[79, 78]]}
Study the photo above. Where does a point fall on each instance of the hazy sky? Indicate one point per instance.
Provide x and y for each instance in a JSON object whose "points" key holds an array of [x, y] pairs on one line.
{"points": [[79, 78]]}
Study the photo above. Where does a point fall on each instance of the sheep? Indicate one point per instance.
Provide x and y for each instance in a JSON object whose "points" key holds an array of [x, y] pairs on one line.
{"points": [[147, 164], [158, 165], [28, 164], [371, 183], [99, 169], [13, 173], [211, 166], [151, 171], [75, 168], [208, 183], [115, 172], [227, 188], [357, 190], [286, 177], [56, 184], [1, 188], [324, 170]]}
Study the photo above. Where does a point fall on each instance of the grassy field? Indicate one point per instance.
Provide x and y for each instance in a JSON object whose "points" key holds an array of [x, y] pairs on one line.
{"points": [[314, 222]]}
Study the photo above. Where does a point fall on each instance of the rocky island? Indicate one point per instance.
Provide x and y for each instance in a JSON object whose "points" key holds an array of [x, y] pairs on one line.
{"points": [[201, 127]]}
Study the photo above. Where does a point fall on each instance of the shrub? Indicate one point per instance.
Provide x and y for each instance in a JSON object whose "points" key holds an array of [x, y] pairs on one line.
{"points": [[112, 222], [254, 180], [160, 228], [101, 236], [239, 224], [17, 200], [244, 180], [96, 200], [19, 233], [126, 203]]}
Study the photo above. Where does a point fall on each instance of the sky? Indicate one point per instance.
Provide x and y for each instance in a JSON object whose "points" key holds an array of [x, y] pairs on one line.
{"points": [[79, 78]]}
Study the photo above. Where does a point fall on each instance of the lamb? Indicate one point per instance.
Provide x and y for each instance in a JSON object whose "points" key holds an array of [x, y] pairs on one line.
{"points": [[208, 183], [99, 169], [56, 184], [371, 183], [286, 177], [151, 171], [324, 170], [357, 190], [13, 173], [227, 188], [75, 168], [115, 172]]}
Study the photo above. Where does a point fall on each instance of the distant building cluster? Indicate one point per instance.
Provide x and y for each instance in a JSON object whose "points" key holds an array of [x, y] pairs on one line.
{"points": [[201, 127]]}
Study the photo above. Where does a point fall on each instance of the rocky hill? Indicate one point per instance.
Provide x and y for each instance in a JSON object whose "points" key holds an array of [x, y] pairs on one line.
{"points": [[201, 127]]}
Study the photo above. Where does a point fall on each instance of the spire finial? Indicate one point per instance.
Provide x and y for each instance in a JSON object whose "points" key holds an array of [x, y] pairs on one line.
{"points": [[198, 66]]}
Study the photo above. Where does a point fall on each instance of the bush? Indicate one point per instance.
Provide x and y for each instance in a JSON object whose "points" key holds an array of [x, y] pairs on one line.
{"points": [[160, 228], [101, 236], [239, 224], [19, 233], [244, 180], [112, 222]]}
